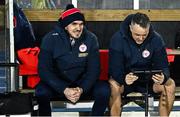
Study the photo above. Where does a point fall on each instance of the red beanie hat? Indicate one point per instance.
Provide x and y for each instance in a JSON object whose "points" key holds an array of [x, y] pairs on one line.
{"points": [[69, 15]]}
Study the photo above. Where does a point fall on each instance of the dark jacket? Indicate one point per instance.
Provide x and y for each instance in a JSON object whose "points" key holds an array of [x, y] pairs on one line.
{"points": [[125, 55], [23, 32], [61, 65]]}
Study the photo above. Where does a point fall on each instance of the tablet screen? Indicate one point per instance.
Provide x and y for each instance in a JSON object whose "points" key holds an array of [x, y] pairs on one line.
{"points": [[147, 72], [145, 75]]}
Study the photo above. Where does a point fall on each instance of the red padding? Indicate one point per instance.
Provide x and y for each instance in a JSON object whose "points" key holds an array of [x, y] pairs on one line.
{"points": [[28, 58], [32, 81], [170, 57], [104, 64]]}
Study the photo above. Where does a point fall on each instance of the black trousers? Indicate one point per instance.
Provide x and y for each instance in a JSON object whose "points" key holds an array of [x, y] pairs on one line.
{"points": [[100, 93]]}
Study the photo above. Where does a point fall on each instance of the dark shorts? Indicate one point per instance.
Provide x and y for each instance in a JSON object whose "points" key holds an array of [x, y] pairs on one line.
{"points": [[139, 86]]}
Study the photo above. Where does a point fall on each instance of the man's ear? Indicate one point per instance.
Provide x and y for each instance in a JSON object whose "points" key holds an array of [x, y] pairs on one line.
{"points": [[65, 28], [130, 27]]}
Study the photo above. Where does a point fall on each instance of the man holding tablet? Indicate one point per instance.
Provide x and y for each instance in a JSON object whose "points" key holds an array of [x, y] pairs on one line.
{"points": [[137, 47]]}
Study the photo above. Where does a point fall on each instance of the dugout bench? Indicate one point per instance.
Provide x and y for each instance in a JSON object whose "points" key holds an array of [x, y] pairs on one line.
{"points": [[85, 105]]}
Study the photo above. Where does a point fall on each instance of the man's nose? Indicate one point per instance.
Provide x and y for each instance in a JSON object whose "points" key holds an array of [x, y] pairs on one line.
{"points": [[141, 38], [78, 27]]}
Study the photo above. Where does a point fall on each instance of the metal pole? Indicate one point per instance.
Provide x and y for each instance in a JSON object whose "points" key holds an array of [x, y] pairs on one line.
{"points": [[74, 2], [146, 100], [11, 35], [136, 5]]}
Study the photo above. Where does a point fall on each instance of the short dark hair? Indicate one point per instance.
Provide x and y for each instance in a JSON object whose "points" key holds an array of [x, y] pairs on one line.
{"points": [[141, 19]]}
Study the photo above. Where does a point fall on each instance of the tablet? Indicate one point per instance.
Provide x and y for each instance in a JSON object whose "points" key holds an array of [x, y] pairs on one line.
{"points": [[145, 75], [152, 72]]}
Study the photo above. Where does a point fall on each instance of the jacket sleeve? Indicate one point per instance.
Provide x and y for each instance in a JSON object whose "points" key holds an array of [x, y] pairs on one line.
{"points": [[46, 70], [116, 59], [93, 67], [160, 60]]}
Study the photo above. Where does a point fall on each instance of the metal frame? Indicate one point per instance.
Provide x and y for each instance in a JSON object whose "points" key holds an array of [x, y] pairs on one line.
{"points": [[10, 62]]}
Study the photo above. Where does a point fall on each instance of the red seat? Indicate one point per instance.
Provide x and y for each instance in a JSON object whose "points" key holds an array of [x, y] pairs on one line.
{"points": [[104, 64], [170, 57], [28, 58], [32, 80], [28, 67]]}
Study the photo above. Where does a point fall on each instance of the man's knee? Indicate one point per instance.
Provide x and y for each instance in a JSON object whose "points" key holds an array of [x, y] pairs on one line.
{"points": [[43, 92], [170, 83], [169, 87], [116, 88], [102, 90]]}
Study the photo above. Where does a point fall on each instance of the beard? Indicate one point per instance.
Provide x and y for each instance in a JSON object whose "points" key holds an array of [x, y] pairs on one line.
{"points": [[76, 34]]}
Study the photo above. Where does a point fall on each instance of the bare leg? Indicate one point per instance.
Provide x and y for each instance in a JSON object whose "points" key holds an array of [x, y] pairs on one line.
{"points": [[115, 99], [167, 97]]}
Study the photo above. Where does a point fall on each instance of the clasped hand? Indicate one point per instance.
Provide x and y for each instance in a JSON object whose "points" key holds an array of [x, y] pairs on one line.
{"points": [[73, 94]]}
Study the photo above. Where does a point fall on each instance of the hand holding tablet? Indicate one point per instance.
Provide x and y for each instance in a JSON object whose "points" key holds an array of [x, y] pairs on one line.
{"points": [[145, 75]]}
